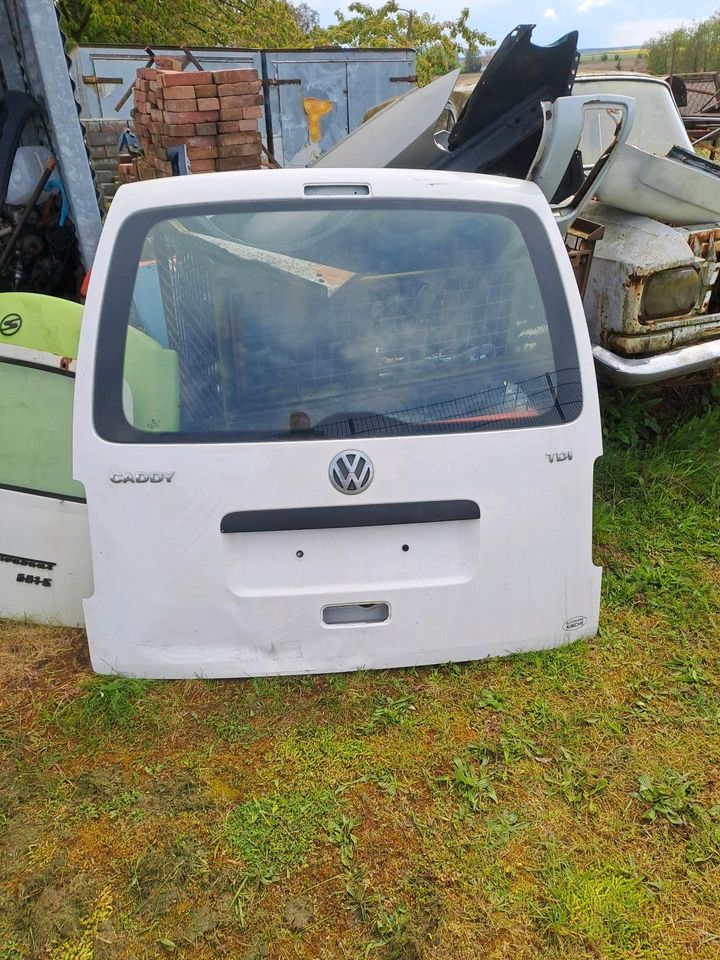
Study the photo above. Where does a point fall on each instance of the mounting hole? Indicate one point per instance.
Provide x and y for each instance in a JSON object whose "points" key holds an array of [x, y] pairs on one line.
{"points": [[299, 554], [405, 548]]}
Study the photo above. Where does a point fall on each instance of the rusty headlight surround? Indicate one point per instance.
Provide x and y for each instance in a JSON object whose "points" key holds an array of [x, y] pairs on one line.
{"points": [[670, 293]]}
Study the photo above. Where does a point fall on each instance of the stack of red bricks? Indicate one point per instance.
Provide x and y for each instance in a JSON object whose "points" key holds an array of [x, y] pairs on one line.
{"points": [[214, 114]]}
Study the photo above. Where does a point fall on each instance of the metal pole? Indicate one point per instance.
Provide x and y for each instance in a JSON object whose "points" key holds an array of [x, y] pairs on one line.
{"points": [[22, 219]]}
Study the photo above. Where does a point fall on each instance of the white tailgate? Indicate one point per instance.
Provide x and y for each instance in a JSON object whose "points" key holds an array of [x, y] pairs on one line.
{"points": [[224, 543]]}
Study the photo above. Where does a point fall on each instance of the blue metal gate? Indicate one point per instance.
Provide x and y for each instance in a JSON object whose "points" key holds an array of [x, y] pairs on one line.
{"points": [[313, 98]]}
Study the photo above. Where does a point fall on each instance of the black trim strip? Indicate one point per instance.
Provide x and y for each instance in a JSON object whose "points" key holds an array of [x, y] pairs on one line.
{"points": [[13, 361], [364, 515], [43, 493]]}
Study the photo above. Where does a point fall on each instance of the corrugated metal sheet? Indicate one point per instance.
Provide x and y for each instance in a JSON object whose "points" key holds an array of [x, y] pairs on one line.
{"points": [[33, 59]]}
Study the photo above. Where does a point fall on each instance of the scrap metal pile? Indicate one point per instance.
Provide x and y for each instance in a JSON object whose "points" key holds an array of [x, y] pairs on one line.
{"points": [[521, 119], [614, 160]]}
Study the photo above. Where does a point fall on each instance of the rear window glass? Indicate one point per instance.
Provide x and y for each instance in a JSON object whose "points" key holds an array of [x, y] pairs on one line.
{"points": [[333, 322]]}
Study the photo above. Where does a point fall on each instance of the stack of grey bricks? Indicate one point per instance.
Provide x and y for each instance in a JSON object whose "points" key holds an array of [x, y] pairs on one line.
{"points": [[101, 137]]}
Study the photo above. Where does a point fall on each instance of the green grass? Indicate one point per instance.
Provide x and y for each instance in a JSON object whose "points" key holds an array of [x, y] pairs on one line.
{"points": [[562, 804], [104, 702], [272, 834], [602, 910]]}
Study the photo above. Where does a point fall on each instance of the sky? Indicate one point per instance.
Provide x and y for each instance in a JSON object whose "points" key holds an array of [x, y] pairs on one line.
{"points": [[601, 23]]}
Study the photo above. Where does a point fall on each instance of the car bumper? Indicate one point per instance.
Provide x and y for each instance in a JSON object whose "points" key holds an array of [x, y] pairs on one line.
{"points": [[636, 371]]}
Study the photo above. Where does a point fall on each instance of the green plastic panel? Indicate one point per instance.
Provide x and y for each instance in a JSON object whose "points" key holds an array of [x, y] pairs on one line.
{"points": [[40, 323], [36, 430], [151, 372], [36, 404]]}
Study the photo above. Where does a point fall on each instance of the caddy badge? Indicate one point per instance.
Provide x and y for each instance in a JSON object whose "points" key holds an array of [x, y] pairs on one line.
{"points": [[141, 477]]}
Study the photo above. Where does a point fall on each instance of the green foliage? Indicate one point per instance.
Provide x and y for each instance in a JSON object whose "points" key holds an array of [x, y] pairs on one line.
{"points": [[391, 713], [439, 43], [105, 702], [307, 18], [390, 923], [117, 806], [230, 728], [11, 950], [237, 23], [472, 62], [491, 700], [704, 844], [690, 48], [504, 827], [670, 798], [688, 669], [470, 783], [649, 492], [629, 417], [601, 909], [385, 780], [556, 866], [340, 833], [273, 23], [361, 897], [271, 834], [579, 785]]}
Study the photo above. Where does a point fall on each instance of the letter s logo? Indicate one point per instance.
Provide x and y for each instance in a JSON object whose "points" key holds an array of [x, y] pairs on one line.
{"points": [[10, 324]]}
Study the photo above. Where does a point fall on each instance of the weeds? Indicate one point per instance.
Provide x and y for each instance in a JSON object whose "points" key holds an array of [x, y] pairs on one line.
{"points": [[340, 833], [688, 669], [230, 728], [390, 923], [11, 950], [704, 844], [105, 702], [491, 700], [603, 910], [269, 835], [123, 804], [629, 418], [670, 798], [391, 713], [504, 827], [386, 780], [579, 785], [362, 899], [470, 783]]}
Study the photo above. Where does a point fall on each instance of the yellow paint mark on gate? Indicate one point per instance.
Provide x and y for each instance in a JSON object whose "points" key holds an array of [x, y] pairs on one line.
{"points": [[315, 109]]}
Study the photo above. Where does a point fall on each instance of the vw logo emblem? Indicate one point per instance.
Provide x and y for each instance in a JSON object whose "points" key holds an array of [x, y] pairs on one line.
{"points": [[351, 472]]}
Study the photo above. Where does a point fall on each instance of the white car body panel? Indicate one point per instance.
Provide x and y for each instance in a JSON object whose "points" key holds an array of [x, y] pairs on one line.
{"points": [[657, 125], [643, 180], [660, 188], [44, 539], [401, 134], [175, 597]]}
